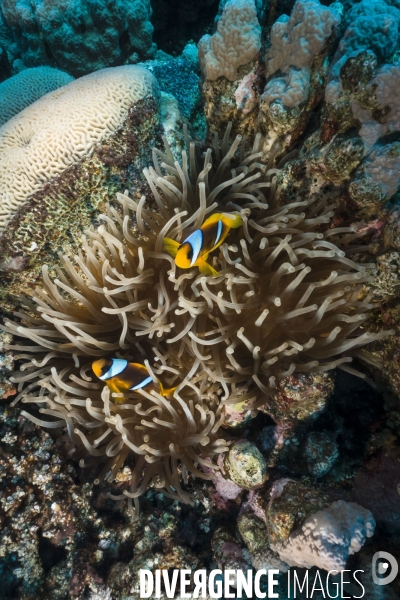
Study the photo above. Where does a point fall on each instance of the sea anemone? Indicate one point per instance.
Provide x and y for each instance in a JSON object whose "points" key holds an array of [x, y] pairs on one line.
{"points": [[286, 298]]}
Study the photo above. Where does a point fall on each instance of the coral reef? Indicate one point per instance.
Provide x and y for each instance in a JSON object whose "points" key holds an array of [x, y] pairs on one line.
{"points": [[295, 66], [254, 533], [79, 37], [376, 179], [228, 551], [299, 396], [144, 289], [371, 37], [32, 134], [321, 453], [18, 92], [235, 43], [54, 218], [290, 503], [273, 457], [60, 538], [230, 64], [7, 388], [180, 78], [235, 101]]}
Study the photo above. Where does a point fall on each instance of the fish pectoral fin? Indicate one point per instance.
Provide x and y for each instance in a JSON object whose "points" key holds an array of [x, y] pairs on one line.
{"points": [[168, 391], [171, 246], [113, 387], [206, 269]]}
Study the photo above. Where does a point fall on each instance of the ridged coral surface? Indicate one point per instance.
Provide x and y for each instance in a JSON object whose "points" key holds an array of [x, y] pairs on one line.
{"points": [[49, 136], [18, 92]]}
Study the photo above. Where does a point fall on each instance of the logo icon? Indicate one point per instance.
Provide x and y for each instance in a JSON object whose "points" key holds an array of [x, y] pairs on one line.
{"points": [[384, 563]]}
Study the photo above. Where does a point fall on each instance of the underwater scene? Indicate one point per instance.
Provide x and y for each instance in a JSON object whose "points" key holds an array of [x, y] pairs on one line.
{"points": [[199, 299]]}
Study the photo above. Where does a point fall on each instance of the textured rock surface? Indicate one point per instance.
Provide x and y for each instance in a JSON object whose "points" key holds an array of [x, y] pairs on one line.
{"points": [[388, 353], [245, 465], [291, 503], [229, 552], [234, 101], [7, 388], [377, 179], [300, 396], [321, 453], [181, 77], [61, 537], [255, 536], [79, 37]]}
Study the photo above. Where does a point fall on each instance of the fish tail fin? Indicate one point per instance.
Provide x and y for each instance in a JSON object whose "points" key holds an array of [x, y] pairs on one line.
{"points": [[171, 246], [206, 269]]}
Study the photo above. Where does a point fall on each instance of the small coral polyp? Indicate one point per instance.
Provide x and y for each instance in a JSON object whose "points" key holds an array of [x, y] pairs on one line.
{"points": [[285, 299]]}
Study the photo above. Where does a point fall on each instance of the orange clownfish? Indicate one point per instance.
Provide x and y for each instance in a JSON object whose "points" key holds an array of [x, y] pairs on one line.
{"points": [[194, 251], [122, 376]]}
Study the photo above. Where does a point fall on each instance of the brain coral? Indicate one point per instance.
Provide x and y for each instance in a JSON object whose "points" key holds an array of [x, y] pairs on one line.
{"points": [[235, 43], [286, 299], [18, 92], [62, 127], [80, 36]]}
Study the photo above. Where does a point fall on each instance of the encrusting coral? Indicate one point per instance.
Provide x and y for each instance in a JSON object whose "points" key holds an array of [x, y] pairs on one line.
{"points": [[285, 299]]}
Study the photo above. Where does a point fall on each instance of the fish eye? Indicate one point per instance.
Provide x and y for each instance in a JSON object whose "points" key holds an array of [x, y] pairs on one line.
{"points": [[189, 252]]}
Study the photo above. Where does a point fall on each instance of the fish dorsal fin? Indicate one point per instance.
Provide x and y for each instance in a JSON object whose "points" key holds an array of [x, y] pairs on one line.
{"points": [[214, 218], [171, 246], [233, 220]]}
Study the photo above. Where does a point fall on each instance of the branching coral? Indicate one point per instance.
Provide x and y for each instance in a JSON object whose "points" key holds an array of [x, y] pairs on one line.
{"points": [[285, 299]]}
